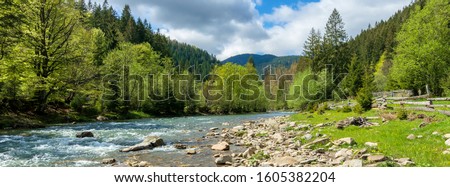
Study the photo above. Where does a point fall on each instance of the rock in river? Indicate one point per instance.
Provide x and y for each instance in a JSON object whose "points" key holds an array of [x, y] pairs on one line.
{"points": [[221, 146], [85, 135], [222, 160], [149, 143], [108, 161]]}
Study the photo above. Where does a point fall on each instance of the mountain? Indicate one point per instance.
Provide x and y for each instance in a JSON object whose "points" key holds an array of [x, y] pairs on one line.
{"points": [[262, 61]]}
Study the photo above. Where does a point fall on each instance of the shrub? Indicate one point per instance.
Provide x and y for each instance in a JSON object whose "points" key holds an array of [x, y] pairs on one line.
{"points": [[77, 103], [358, 109], [402, 114], [364, 99], [346, 109]]}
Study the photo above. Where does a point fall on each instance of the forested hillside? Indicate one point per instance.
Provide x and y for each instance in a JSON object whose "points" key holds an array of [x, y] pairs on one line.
{"points": [[263, 61], [409, 51]]}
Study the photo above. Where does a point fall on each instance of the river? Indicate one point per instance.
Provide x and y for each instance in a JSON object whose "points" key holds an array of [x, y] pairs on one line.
{"points": [[56, 146]]}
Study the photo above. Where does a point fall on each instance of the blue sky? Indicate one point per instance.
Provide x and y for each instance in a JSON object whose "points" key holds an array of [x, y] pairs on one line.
{"points": [[230, 27]]}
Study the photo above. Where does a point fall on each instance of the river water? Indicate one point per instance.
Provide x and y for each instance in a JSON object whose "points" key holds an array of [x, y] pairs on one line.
{"points": [[57, 146]]}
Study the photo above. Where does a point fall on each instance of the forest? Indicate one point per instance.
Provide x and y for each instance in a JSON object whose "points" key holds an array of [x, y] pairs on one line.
{"points": [[76, 60]]}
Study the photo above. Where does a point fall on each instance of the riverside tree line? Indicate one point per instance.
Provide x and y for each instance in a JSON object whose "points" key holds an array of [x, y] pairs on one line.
{"points": [[60, 54]]}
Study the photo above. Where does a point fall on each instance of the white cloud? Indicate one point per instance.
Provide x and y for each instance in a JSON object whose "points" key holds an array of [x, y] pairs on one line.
{"points": [[231, 27]]}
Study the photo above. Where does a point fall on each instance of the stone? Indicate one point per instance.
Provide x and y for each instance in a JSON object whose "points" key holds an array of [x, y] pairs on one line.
{"points": [[85, 135], [285, 161], [222, 160], [343, 153], [226, 124], [446, 136], [421, 116], [278, 137], [411, 137], [447, 142], [423, 125], [435, 133], [321, 141], [371, 144], [134, 163], [214, 129], [353, 163], [108, 161], [101, 118], [149, 142], [216, 155], [249, 152], [221, 146], [307, 136], [420, 136], [446, 152], [266, 164], [238, 128], [180, 146], [191, 151], [405, 162], [376, 158], [345, 141]]}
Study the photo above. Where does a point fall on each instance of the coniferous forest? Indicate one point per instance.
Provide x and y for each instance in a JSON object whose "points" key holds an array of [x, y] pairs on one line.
{"points": [[72, 60]]}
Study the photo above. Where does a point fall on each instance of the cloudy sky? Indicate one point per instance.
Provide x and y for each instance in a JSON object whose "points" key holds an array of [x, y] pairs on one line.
{"points": [[230, 27]]}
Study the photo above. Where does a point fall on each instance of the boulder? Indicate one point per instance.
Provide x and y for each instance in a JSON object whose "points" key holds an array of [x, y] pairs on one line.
{"points": [[221, 146], [285, 161], [353, 163], [376, 158], [307, 137], [85, 135], [405, 162], [345, 141], [447, 142], [101, 118], [224, 159], [446, 136], [343, 153], [249, 152], [321, 141], [371, 144], [191, 151], [237, 129], [150, 142], [108, 161], [180, 146], [411, 137]]}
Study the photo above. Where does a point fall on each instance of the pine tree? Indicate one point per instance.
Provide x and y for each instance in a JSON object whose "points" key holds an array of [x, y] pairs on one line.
{"points": [[312, 49], [251, 65]]}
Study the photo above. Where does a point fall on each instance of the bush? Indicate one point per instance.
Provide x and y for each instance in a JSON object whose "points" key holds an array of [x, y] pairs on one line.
{"points": [[90, 111], [77, 103], [402, 114], [364, 99], [358, 109], [346, 109]]}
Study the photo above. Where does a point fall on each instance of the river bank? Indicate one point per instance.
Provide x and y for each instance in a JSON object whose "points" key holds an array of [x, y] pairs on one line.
{"points": [[58, 146], [276, 142]]}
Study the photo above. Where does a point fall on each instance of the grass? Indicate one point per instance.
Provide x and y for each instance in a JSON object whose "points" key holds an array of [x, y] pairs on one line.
{"points": [[391, 137]]}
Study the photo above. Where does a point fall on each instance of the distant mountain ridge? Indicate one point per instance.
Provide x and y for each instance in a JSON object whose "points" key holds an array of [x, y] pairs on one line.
{"points": [[262, 61]]}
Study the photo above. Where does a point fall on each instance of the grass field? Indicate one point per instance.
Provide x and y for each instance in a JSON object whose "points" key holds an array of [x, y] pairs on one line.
{"points": [[391, 136]]}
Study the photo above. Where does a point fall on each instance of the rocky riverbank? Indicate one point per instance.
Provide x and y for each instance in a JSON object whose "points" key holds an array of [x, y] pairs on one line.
{"points": [[276, 142]]}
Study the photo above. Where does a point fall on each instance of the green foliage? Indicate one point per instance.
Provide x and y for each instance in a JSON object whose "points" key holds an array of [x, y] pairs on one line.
{"points": [[365, 97], [77, 103], [346, 109], [402, 114], [358, 109], [423, 53], [353, 81]]}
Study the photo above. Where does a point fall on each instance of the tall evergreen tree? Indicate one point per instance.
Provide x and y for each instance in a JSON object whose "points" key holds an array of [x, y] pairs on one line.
{"points": [[312, 49]]}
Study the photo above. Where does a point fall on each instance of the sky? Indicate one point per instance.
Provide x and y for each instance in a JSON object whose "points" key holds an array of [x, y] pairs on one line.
{"points": [[230, 27]]}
